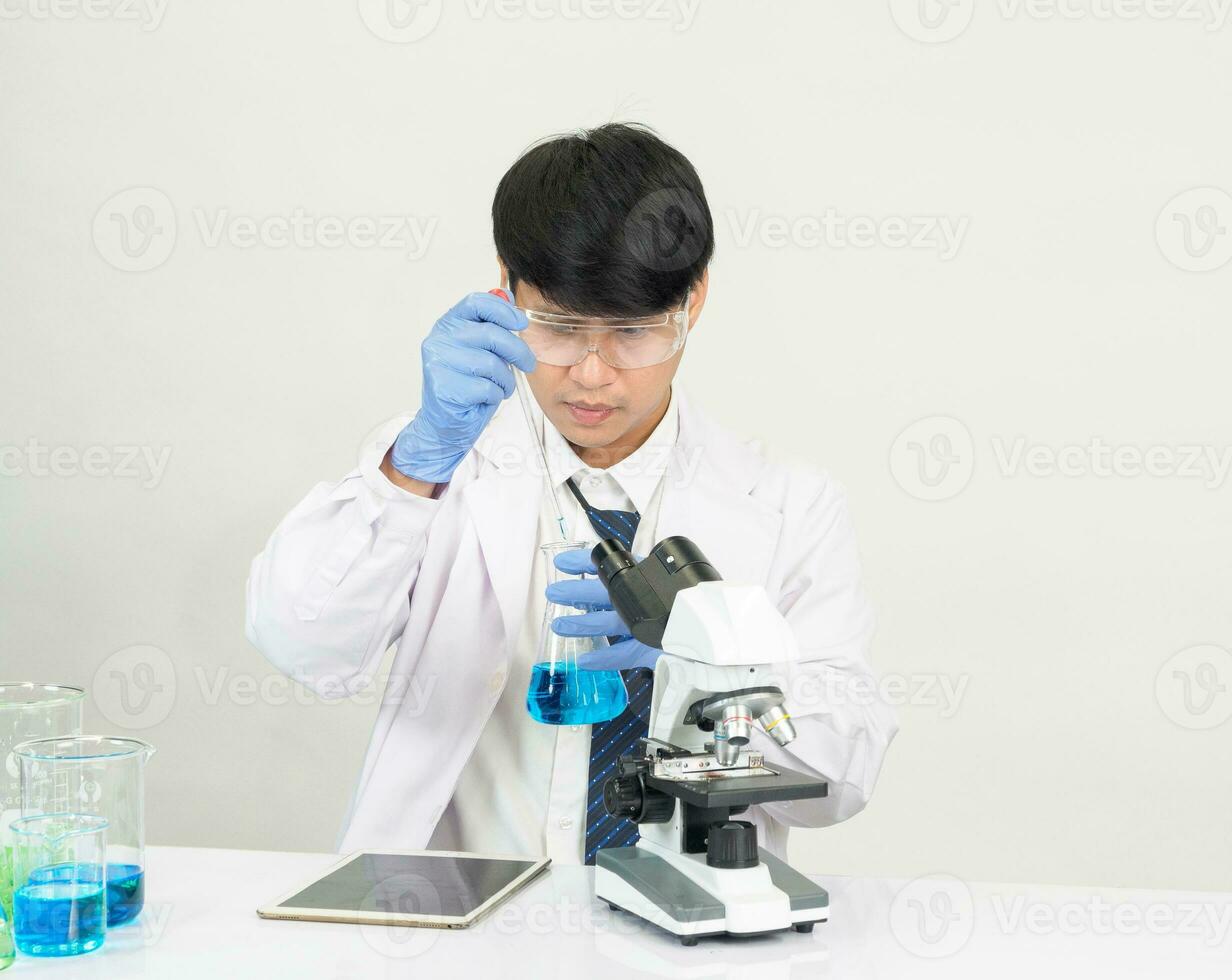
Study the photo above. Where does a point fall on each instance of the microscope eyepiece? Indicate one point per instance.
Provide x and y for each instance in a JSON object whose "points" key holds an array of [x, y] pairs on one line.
{"points": [[610, 557], [643, 592]]}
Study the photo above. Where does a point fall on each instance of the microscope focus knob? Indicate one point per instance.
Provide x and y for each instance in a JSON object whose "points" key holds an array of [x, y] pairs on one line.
{"points": [[732, 844], [628, 796]]}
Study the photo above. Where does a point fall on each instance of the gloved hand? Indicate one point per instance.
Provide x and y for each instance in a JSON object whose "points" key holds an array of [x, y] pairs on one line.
{"points": [[599, 620], [466, 374]]}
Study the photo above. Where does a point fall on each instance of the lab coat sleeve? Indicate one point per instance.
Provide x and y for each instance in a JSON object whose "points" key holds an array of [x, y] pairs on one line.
{"points": [[332, 589], [843, 726]]}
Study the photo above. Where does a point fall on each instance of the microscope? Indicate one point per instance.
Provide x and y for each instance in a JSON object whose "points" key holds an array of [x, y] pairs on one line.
{"points": [[697, 871]]}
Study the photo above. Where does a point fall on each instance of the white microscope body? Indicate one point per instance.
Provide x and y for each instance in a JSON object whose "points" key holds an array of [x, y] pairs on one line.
{"points": [[696, 870]]}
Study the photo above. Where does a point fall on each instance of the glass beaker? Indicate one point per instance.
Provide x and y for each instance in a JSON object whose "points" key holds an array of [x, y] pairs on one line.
{"points": [[103, 776], [7, 951], [561, 691], [59, 898], [27, 710]]}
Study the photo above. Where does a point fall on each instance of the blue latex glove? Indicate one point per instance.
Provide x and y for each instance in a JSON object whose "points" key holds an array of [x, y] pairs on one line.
{"points": [[599, 620], [466, 375]]}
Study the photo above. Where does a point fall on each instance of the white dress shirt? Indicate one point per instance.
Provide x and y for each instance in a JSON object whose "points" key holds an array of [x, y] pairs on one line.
{"points": [[524, 789]]}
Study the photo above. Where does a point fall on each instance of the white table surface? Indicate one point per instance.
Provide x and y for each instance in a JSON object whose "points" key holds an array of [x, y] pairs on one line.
{"points": [[199, 921]]}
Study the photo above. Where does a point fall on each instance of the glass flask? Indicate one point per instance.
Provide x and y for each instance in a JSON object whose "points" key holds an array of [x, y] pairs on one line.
{"points": [[59, 899], [562, 691], [103, 776], [27, 710]]}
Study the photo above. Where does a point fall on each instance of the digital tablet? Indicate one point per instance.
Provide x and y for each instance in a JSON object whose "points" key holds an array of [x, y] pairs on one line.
{"points": [[437, 889]]}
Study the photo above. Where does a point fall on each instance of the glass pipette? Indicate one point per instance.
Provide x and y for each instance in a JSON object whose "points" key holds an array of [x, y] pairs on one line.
{"points": [[523, 386]]}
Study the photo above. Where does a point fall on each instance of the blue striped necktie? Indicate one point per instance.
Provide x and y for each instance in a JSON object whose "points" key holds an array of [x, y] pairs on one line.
{"points": [[610, 740]]}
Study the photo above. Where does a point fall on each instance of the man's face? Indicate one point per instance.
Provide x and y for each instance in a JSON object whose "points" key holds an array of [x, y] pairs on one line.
{"points": [[592, 404]]}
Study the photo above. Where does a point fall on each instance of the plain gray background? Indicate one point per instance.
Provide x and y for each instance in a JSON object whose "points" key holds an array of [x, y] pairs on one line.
{"points": [[972, 262]]}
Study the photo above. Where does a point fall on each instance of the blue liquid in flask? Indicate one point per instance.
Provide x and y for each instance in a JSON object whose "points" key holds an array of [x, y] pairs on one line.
{"points": [[561, 696], [59, 918], [125, 886]]}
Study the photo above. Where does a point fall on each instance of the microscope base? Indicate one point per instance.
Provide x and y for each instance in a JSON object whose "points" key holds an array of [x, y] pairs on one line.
{"points": [[682, 894]]}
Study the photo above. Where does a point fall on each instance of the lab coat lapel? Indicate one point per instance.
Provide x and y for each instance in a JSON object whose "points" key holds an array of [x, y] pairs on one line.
{"points": [[503, 503], [707, 499]]}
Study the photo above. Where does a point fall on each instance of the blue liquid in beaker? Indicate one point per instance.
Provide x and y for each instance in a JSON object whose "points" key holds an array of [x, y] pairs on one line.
{"points": [[125, 886], [59, 918], [557, 696], [125, 893]]}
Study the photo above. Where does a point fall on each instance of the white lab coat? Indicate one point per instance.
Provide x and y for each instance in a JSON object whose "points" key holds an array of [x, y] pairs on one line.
{"points": [[360, 565]]}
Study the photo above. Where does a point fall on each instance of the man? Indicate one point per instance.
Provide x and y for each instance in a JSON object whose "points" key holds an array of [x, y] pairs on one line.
{"points": [[430, 544]]}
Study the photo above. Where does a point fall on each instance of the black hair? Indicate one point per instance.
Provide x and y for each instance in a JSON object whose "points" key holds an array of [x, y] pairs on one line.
{"points": [[604, 222]]}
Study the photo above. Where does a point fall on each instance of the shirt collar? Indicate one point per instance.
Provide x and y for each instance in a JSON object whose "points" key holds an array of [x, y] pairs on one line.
{"points": [[638, 474]]}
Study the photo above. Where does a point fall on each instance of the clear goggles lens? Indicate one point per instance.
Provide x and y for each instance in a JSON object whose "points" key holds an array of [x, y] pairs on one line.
{"points": [[625, 342]]}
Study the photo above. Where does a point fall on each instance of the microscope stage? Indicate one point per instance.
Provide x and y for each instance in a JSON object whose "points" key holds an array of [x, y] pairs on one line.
{"points": [[740, 787]]}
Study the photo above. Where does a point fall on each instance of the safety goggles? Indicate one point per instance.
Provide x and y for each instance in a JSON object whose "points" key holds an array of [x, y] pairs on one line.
{"points": [[621, 342]]}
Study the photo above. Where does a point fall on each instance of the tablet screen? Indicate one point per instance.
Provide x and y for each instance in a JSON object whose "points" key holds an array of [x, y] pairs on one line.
{"points": [[415, 884]]}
